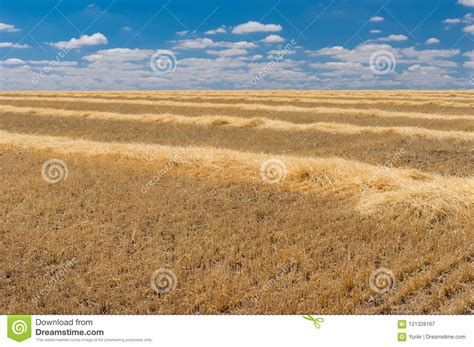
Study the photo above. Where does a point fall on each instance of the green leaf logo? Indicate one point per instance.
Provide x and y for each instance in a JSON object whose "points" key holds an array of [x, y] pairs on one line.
{"points": [[19, 327], [316, 321]]}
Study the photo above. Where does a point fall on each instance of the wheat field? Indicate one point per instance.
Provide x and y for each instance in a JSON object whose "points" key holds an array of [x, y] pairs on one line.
{"points": [[261, 202]]}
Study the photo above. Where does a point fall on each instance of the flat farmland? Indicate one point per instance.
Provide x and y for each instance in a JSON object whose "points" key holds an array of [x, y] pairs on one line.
{"points": [[258, 202]]}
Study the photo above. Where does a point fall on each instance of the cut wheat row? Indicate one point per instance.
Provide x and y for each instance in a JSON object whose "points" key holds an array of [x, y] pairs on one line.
{"points": [[339, 100], [380, 189], [455, 284], [423, 279], [240, 122], [267, 93], [252, 107], [467, 101]]}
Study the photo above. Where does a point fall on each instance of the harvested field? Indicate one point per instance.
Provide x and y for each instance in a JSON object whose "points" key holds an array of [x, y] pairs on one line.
{"points": [[245, 202]]}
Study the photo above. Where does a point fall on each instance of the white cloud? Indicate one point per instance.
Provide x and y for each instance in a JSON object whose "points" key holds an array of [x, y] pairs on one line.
{"points": [[376, 19], [235, 72], [423, 69], [469, 29], [94, 9], [119, 55], [420, 76], [227, 52], [430, 53], [9, 28], [468, 3], [273, 39], [433, 57], [432, 41], [391, 38], [126, 28], [84, 40], [329, 51], [220, 30], [414, 67], [468, 18], [52, 62], [375, 31], [256, 57], [279, 53], [12, 61], [337, 65], [182, 33], [13, 45], [195, 43], [361, 54], [238, 44], [253, 27], [469, 64], [470, 55], [452, 21], [205, 42]]}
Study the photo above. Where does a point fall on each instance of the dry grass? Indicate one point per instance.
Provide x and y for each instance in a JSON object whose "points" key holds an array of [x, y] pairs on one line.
{"points": [[262, 98], [359, 117], [396, 191], [147, 190], [240, 122], [257, 107]]}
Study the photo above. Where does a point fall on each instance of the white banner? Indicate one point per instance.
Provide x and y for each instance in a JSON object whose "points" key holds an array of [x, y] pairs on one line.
{"points": [[290, 330]]}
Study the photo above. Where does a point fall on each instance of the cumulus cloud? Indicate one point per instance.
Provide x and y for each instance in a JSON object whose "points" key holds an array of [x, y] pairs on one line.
{"points": [[469, 29], [281, 52], [469, 64], [227, 52], [12, 61], [391, 38], [182, 33], [432, 57], [430, 53], [273, 39], [13, 45], [361, 55], [452, 21], [84, 40], [336, 50], [375, 31], [468, 3], [9, 28], [256, 57], [126, 29], [195, 43], [220, 30], [468, 18], [200, 43], [347, 66], [238, 44], [432, 41], [376, 19], [253, 27], [119, 55], [470, 55], [423, 70], [53, 62]]}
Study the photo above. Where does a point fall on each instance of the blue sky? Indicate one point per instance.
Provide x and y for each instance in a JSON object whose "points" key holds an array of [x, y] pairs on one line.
{"points": [[259, 44]]}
